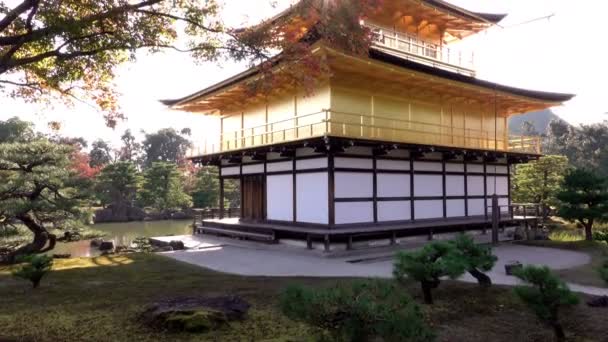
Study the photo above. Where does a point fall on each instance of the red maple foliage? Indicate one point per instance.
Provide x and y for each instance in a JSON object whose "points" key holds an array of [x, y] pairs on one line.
{"points": [[336, 23], [80, 164]]}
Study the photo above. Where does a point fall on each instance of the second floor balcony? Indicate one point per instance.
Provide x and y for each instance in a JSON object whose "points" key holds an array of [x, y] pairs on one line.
{"points": [[360, 126], [414, 48]]}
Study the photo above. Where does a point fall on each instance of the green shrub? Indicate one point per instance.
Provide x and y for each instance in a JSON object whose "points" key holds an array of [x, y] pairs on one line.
{"points": [[601, 236], [428, 265], [477, 258], [603, 271], [34, 268], [142, 244], [545, 295], [357, 311]]}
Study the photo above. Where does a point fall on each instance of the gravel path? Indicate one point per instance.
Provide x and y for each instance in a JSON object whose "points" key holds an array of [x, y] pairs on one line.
{"points": [[261, 260]]}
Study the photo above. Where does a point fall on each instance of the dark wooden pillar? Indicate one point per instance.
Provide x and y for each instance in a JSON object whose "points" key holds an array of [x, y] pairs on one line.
{"points": [[331, 190], [375, 188], [412, 207], [294, 188], [221, 198]]}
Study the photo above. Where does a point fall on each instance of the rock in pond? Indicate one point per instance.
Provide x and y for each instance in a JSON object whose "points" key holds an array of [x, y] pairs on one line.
{"points": [[177, 245], [96, 242], [194, 314], [106, 246]]}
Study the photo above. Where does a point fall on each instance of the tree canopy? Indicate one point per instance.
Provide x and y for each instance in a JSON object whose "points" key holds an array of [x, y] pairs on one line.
{"points": [[584, 198], [585, 146], [166, 145], [118, 184], [39, 189], [540, 180], [163, 188], [16, 130], [71, 50]]}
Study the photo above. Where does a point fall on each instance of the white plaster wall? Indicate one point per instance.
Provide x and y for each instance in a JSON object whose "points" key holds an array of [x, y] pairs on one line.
{"points": [[311, 198], [353, 184], [449, 167], [427, 166], [428, 185], [354, 163], [354, 212], [502, 202], [231, 170], [428, 209], [455, 208], [279, 166], [394, 211], [476, 168], [454, 185], [316, 163], [249, 169], [393, 185], [475, 185], [476, 207], [279, 197], [502, 185], [401, 165]]}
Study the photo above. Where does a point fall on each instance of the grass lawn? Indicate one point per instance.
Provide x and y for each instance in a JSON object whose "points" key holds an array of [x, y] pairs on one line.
{"points": [[98, 300], [585, 274]]}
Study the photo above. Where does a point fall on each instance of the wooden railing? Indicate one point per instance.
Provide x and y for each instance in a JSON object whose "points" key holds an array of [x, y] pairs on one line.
{"points": [[382, 128], [214, 213], [438, 55]]}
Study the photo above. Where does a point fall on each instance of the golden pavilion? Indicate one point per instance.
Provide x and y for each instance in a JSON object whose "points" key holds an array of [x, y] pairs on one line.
{"points": [[405, 140]]}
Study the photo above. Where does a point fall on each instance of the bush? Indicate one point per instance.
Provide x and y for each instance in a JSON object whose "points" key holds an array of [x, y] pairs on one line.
{"points": [[604, 272], [35, 267], [357, 311], [142, 244], [545, 295], [477, 258], [601, 236], [428, 265]]}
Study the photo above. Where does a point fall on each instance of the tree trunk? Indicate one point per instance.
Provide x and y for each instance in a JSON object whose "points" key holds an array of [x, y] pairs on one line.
{"points": [[588, 230], [426, 291], [559, 331], [41, 238], [482, 279]]}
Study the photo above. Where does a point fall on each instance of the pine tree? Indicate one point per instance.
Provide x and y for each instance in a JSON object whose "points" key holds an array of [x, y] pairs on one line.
{"points": [[428, 265], [584, 198], [39, 189], [546, 295]]}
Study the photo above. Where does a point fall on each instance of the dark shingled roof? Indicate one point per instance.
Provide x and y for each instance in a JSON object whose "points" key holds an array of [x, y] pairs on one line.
{"points": [[488, 17], [392, 59]]}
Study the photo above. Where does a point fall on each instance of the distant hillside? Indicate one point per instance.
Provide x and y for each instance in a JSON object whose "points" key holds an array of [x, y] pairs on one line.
{"points": [[540, 120]]}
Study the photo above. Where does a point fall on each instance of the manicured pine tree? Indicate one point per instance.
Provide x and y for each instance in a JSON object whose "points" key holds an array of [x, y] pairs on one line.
{"points": [[545, 295], [584, 199], [477, 258], [428, 265]]}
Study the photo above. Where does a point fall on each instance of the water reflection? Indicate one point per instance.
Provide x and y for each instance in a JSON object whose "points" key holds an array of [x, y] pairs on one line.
{"points": [[124, 234]]}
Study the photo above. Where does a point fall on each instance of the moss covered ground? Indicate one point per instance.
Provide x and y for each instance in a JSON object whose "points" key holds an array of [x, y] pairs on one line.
{"points": [[99, 299]]}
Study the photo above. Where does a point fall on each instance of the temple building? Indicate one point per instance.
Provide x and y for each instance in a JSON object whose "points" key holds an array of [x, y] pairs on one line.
{"points": [[405, 140]]}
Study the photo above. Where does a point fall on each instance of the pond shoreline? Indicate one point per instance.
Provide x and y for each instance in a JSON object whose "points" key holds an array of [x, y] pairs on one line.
{"points": [[123, 234]]}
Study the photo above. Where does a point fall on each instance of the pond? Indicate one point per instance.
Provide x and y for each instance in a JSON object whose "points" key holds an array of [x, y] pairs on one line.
{"points": [[123, 234]]}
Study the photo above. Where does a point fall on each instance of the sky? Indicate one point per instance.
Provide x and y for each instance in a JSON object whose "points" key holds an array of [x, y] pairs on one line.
{"points": [[566, 53]]}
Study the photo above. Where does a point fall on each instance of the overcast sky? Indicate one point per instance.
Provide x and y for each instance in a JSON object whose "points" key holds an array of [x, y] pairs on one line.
{"points": [[566, 53]]}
